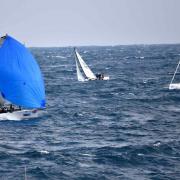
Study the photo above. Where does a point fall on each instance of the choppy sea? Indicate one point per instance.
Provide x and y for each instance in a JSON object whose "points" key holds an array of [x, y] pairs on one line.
{"points": [[127, 128]]}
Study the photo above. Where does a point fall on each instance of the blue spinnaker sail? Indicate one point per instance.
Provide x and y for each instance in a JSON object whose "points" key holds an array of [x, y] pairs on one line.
{"points": [[21, 80]]}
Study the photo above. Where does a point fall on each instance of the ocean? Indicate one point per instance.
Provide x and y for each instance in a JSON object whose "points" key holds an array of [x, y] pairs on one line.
{"points": [[127, 128]]}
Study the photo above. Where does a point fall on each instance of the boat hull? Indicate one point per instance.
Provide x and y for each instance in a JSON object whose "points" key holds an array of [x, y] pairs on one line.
{"points": [[106, 78], [174, 86], [20, 115]]}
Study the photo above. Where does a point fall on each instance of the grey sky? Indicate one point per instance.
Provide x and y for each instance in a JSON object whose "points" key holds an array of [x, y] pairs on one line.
{"points": [[91, 22]]}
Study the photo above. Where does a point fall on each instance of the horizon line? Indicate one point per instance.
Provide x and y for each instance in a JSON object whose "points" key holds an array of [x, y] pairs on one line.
{"points": [[110, 45]]}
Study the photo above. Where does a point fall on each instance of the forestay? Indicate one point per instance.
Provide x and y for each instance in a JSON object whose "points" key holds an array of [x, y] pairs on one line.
{"points": [[174, 85]]}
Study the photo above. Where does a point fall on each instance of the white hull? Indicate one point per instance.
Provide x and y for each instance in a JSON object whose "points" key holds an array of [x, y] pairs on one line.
{"points": [[106, 78], [174, 86], [20, 115]]}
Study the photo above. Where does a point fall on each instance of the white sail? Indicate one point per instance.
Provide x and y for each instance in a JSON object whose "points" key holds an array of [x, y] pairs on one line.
{"points": [[87, 71], [174, 85], [79, 74]]}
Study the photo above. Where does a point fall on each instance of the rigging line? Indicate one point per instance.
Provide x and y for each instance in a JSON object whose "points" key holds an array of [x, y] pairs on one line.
{"points": [[175, 73]]}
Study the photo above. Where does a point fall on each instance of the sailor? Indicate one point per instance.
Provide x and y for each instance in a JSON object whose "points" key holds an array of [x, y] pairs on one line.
{"points": [[4, 110], [102, 76], [11, 108], [98, 76]]}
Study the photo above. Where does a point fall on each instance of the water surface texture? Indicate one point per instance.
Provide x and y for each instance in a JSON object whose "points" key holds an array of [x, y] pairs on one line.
{"points": [[126, 128]]}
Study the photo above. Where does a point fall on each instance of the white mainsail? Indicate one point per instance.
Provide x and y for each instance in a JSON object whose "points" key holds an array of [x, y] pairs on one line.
{"points": [[174, 85], [79, 74], [87, 71]]}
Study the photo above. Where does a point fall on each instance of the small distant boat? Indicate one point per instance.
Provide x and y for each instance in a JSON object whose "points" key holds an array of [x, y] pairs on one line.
{"points": [[174, 85], [85, 74], [22, 93]]}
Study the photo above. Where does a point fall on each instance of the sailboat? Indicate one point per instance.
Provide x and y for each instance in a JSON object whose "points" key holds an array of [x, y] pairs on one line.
{"points": [[86, 74], [174, 85], [22, 92]]}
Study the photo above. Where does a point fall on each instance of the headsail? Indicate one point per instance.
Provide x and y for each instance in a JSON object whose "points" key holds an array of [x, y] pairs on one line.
{"points": [[21, 81], [87, 71], [79, 74]]}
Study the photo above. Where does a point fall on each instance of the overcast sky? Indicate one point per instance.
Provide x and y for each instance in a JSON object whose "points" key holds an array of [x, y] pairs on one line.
{"points": [[91, 22]]}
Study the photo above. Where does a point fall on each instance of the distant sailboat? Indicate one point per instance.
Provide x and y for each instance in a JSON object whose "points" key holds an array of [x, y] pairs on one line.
{"points": [[88, 74], [174, 85], [21, 82]]}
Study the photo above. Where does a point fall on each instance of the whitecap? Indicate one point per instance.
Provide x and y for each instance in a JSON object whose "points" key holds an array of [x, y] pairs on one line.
{"points": [[88, 155], [84, 165], [142, 57], [157, 144], [44, 152]]}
